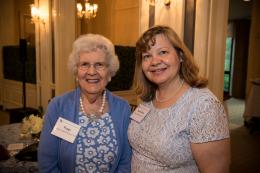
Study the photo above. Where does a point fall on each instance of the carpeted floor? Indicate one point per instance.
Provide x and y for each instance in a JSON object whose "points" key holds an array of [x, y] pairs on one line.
{"points": [[245, 147], [245, 151]]}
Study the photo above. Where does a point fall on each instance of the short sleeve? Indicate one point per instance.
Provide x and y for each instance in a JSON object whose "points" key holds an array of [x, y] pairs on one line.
{"points": [[208, 121]]}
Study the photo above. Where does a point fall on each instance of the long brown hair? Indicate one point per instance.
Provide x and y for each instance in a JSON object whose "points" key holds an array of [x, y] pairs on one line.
{"points": [[189, 70]]}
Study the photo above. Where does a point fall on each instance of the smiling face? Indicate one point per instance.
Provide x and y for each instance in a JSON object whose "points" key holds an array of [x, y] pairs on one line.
{"points": [[92, 72], [161, 63]]}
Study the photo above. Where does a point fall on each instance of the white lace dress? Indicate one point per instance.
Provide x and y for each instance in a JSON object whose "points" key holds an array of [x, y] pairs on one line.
{"points": [[161, 141]]}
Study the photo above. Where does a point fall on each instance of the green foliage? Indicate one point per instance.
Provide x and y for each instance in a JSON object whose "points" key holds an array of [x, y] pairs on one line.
{"points": [[228, 53], [228, 64], [226, 82]]}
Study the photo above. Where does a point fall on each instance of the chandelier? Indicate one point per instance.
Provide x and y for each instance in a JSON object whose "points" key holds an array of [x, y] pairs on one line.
{"points": [[37, 16], [89, 12]]}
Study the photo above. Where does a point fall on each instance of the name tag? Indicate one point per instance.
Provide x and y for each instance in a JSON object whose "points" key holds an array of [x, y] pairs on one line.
{"points": [[66, 130], [140, 112]]}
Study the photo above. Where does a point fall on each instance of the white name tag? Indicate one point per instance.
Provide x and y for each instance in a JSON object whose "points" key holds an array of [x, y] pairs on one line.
{"points": [[66, 130], [140, 112]]}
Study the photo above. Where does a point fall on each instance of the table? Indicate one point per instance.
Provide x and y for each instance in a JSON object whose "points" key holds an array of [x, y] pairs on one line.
{"points": [[252, 107], [10, 134]]}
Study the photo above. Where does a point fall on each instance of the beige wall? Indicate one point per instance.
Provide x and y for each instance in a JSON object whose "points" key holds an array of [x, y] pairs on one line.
{"points": [[101, 24], [54, 40], [210, 42], [172, 15], [253, 68], [11, 25], [8, 35], [111, 21], [125, 22], [64, 35]]}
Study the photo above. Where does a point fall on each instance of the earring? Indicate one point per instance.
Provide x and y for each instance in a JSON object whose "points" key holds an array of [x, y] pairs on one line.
{"points": [[181, 56]]}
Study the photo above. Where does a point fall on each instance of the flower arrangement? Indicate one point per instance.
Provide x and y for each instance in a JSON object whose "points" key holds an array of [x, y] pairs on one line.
{"points": [[32, 125]]}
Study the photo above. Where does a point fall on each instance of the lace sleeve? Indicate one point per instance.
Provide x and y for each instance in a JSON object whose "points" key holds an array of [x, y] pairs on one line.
{"points": [[208, 121]]}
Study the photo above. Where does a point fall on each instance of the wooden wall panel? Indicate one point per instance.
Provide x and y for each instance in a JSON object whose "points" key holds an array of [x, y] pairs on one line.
{"points": [[189, 23], [12, 95], [242, 28], [254, 50]]}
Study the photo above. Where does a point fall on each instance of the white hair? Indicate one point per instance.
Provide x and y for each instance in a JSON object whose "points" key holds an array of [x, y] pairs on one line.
{"points": [[90, 43]]}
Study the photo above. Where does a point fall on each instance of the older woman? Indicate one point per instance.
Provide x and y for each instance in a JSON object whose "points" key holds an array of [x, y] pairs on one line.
{"points": [[85, 130], [183, 126]]}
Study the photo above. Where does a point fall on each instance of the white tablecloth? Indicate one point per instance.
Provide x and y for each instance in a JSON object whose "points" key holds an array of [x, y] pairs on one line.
{"points": [[252, 107]]}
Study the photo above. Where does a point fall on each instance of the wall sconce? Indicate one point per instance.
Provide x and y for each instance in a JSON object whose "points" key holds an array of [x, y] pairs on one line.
{"points": [[36, 15], [167, 2], [153, 2], [89, 12]]}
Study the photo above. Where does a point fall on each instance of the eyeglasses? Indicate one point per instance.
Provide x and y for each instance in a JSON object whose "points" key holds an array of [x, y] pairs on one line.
{"points": [[97, 66]]}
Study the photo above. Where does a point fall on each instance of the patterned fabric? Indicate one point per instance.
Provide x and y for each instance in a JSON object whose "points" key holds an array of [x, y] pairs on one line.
{"points": [[161, 141], [10, 134], [96, 145]]}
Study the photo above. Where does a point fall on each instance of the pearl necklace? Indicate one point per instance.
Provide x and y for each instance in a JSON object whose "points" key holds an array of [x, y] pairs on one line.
{"points": [[101, 109], [174, 93]]}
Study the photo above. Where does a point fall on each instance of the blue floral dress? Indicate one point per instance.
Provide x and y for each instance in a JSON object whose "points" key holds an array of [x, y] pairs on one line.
{"points": [[97, 147]]}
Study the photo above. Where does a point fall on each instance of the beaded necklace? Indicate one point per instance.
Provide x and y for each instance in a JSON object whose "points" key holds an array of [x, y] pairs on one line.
{"points": [[101, 109], [174, 93]]}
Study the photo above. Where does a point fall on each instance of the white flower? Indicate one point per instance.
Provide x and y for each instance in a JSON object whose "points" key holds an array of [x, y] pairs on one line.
{"points": [[90, 152], [102, 149], [105, 131], [32, 124], [91, 167], [92, 132], [109, 157], [88, 142], [80, 159]]}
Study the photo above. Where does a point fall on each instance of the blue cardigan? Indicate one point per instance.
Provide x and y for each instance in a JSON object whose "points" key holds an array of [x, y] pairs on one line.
{"points": [[57, 155]]}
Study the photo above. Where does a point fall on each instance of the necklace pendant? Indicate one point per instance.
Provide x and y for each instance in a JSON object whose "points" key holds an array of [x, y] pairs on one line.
{"points": [[92, 117]]}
